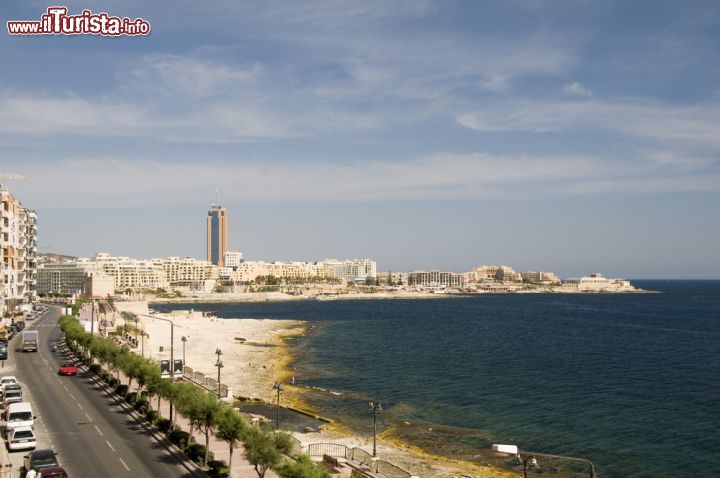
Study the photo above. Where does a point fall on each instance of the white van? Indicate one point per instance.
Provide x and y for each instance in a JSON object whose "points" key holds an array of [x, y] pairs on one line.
{"points": [[19, 414]]}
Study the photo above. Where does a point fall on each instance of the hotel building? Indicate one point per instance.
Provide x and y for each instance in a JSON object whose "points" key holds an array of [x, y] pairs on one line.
{"points": [[217, 235]]}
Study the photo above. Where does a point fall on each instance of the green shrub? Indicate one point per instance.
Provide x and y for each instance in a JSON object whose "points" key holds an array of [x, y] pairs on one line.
{"points": [[121, 389], [196, 452], [112, 382], [142, 406], [95, 368], [179, 438], [131, 397], [218, 469], [152, 416], [163, 424]]}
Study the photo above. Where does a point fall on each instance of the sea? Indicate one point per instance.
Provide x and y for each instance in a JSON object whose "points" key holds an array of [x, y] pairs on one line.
{"points": [[628, 381]]}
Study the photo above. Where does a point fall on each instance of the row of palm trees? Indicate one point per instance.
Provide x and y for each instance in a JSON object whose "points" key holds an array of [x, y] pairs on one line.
{"points": [[263, 448]]}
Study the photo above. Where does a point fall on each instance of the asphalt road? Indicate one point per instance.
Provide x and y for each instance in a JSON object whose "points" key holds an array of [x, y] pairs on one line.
{"points": [[92, 434]]}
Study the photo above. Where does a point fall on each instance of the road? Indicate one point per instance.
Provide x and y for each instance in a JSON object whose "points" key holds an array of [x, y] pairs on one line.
{"points": [[88, 428]]}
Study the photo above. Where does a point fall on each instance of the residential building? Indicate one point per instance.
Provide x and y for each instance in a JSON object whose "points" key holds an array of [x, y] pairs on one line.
{"points": [[232, 259], [187, 272], [18, 251], [132, 273], [597, 283], [435, 279], [217, 235], [65, 277]]}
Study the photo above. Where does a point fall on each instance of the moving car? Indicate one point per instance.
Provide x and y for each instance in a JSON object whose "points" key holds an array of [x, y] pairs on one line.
{"points": [[39, 460], [68, 368], [21, 438]]}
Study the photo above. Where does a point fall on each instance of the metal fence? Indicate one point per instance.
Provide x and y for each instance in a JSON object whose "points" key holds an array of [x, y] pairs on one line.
{"points": [[295, 447], [333, 449], [390, 471], [361, 456]]}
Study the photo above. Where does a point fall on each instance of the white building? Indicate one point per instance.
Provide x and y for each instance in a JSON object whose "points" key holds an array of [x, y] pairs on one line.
{"points": [[597, 283], [188, 272], [232, 259], [18, 251], [132, 273], [64, 277], [435, 279]]}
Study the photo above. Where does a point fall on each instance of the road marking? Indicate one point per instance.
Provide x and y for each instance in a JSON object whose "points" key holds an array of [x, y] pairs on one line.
{"points": [[123, 463], [79, 406], [65, 387], [111, 447], [72, 396], [98, 430], [88, 417]]}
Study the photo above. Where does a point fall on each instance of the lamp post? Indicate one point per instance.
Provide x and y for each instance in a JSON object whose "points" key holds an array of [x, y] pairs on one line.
{"points": [[376, 408], [219, 365], [136, 327], [172, 354], [277, 386], [184, 339], [532, 461]]}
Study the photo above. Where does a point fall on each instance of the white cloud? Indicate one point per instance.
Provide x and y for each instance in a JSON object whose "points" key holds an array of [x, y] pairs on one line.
{"points": [[695, 125], [435, 177], [576, 89]]}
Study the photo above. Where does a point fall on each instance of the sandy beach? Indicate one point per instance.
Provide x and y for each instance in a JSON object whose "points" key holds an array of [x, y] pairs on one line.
{"points": [[254, 357]]}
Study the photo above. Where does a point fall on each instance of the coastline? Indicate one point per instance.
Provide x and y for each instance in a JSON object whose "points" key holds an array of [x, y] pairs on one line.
{"points": [[253, 364]]}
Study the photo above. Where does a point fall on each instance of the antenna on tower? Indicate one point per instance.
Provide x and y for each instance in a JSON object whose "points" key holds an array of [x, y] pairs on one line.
{"points": [[217, 197]]}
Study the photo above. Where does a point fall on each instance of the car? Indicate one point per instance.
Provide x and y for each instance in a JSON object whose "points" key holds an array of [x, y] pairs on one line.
{"points": [[68, 368], [30, 317], [39, 460], [9, 387], [6, 380], [21, 438], [11, 396], [53, 472], [3, 353]]}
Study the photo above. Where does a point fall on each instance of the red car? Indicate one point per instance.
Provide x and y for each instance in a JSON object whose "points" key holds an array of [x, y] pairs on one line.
{"points": [[68, 369]]}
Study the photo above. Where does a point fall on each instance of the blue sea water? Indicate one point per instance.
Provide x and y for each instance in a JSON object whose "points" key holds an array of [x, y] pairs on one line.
{"points": [[629, 381]]}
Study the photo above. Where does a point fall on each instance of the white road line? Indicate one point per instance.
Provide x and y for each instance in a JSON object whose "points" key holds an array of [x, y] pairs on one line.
{"points": [[79, 406], [65, 387], [123, 463], [88, 417], [72, 396], [111, 447], [98, 430]]}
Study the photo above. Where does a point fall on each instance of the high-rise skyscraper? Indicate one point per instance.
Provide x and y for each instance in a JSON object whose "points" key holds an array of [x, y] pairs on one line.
{"points": [[217, 234]]}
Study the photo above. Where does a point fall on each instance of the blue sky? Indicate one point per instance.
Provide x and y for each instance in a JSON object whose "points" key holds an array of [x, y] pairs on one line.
{"points": [[571, 136]]}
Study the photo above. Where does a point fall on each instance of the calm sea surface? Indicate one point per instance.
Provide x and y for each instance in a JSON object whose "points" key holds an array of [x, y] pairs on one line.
{"points": [[631, 382]]}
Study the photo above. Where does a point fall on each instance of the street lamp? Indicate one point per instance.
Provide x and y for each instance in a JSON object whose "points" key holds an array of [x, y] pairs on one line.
{"points": [[376, 408], [532, 461], [219, 365], [136, 327], [278, 386], [172, 354], [184, 339]]}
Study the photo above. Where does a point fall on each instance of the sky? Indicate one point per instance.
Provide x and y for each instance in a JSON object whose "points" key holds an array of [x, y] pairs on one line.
{"points": [[548, 135]]}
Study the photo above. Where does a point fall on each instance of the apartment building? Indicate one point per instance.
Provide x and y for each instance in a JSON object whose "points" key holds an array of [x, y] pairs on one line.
{"points": [[435, 279], [132, 273], [187, 272], [65, 277], [18, 253]]}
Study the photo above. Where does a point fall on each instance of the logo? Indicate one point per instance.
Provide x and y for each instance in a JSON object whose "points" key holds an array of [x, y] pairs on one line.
{"points": [[56, 21]]}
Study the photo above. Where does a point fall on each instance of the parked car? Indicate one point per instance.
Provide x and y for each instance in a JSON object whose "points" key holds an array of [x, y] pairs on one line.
{"points": [[21, 438], [54, 472], [11, 396], [6, 380], [19, 325], [39, 460], [3, 353], [68, 369], [8, 388]]}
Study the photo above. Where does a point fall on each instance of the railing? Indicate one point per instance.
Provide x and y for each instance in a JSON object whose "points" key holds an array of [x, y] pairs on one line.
{"points": [[295, 447], [390, 471], [361, 456], [333, 449]]}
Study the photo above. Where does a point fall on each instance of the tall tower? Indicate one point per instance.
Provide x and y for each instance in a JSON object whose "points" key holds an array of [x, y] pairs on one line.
{"points": [[217, 234]]}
